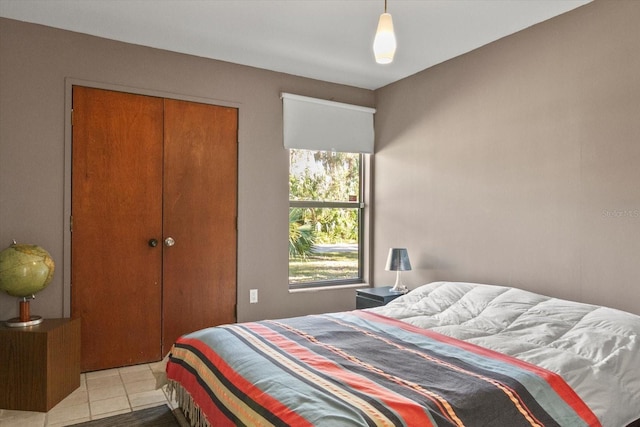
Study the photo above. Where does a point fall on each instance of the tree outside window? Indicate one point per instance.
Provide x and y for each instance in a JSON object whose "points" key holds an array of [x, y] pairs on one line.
{"points": [[325, 218]]}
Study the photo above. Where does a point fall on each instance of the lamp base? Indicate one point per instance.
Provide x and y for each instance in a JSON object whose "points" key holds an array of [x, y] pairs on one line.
{"points": [[16, 322], [399, 290], [399, 287]]}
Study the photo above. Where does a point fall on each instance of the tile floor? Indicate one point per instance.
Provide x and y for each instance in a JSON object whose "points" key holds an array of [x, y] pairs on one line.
{"points": [[101, 394]]}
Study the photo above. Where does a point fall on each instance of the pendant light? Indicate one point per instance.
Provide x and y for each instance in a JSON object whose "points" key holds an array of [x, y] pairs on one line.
{"points": [[384, 44]]}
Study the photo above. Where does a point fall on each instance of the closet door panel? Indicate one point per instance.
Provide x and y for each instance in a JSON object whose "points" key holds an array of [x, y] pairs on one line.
{"points": [[200, 209], [117, 208]]}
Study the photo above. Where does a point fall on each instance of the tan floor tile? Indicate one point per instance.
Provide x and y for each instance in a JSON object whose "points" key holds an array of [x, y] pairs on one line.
{"points": [[68, 423], [21, 418], [109, 414], [101, 382], [68, 413], [106, 392], [135, 376], [112, 404], [146, 398], [101, 394], [21, 423], [77, 397], [101, 374], [140, 386]]}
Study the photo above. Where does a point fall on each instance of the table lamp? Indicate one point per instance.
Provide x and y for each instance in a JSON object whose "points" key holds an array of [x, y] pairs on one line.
{"points": [[398, 260]]}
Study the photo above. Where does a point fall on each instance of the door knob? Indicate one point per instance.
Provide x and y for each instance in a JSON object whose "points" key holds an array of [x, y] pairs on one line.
{"points": [[153, 243], [169, 241]]}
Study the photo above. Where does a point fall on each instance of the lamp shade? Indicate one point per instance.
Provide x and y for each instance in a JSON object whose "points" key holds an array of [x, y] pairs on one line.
{"points": [[398, 260], [384, 44]]}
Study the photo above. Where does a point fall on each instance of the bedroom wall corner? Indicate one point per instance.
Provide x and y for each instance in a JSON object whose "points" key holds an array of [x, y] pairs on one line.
{"points": [[517, 164]]}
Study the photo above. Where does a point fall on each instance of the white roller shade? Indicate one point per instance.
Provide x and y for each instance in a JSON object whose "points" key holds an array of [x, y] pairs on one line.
{"points": [[317, 124]]}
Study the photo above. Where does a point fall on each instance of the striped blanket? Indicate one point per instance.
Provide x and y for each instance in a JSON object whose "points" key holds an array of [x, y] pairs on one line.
{"points": [[360, 369]]}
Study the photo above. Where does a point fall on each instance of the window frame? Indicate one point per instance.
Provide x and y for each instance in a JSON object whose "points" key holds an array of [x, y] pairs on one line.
{"points": [[362, 214]]}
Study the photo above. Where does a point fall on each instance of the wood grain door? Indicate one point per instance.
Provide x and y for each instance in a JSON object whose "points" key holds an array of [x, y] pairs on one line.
{"points": [[116, 204], [148, 168], [200, 192]]}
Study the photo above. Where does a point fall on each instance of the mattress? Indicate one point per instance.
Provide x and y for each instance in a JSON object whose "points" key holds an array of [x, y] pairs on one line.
{"points": [[595, 349]]}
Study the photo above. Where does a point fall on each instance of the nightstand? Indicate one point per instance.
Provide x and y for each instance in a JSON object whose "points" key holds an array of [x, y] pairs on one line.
{"points": [[39, 365], [374, 297]]}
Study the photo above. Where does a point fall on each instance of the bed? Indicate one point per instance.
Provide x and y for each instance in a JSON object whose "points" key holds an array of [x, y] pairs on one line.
{"points": [[445, 354]]}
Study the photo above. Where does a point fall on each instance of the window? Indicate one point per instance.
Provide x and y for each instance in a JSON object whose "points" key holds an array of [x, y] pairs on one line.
{"points": [[325, 218], [327, 142]]}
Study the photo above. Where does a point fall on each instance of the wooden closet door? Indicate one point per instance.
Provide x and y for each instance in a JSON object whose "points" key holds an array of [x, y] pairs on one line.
{"points": [[200, 208], [117, 208]]}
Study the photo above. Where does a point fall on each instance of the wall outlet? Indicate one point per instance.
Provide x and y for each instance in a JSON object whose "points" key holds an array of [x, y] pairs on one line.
{"points": [[253, 296]]}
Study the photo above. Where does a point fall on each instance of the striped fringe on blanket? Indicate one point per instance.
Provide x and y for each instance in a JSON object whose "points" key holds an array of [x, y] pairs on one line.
{"points": [[191, 411]]}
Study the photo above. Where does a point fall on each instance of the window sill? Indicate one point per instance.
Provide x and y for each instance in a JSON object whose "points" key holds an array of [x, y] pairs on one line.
{"points": [[330, 288]]}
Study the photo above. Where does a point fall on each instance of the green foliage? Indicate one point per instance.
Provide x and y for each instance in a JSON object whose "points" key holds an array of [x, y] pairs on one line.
{"points": [[334, 225], [325, 176], [301, 235]]}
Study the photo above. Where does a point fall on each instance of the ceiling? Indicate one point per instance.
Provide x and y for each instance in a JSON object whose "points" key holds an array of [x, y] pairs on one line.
{"points": [[329, 40]]}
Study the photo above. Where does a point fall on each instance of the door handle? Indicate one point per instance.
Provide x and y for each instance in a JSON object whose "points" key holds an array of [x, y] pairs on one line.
{"points": [[153, 243], [169, 242]]}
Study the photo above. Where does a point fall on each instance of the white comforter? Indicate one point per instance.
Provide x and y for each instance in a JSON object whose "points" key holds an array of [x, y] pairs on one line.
{"points": [[595, 349]]}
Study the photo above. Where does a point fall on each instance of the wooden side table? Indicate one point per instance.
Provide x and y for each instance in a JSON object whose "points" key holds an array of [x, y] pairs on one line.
{"points": [[375, 297], [39, 365]]}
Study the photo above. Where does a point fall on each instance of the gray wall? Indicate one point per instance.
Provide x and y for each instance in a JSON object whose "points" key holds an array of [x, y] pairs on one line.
{"points": [[519, 163], [35, 63], [516, 164]]}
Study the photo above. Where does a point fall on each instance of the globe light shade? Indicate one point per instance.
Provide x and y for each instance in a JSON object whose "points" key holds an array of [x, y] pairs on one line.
{"points": [[384, 44]]}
